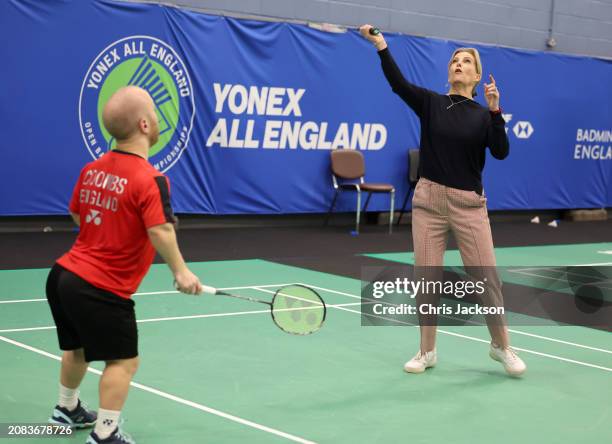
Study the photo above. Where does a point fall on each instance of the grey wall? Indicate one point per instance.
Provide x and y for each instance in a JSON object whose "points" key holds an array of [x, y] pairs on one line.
{"points": [[580, 26]]}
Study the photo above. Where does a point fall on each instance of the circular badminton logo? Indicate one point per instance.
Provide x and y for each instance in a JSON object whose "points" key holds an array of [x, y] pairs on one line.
{"points": [[153, 65]]}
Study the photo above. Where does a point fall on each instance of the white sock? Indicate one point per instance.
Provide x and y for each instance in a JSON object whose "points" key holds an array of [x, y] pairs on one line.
{"points": [[68, 398], [107, 422]]}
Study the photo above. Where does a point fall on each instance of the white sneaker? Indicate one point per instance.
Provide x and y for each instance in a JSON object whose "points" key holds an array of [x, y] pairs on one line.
{"points": [[421, 361], [509, 358]]}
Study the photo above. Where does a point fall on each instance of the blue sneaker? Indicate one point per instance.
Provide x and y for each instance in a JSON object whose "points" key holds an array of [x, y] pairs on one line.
{"points": [[79, 418], [117, 437]]}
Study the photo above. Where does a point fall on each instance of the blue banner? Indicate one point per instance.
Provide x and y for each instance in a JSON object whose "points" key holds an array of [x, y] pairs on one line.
{"points": [[249, 111]]}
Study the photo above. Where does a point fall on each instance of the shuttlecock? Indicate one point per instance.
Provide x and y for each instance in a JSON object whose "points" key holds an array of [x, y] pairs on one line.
{"points": [[535, 220], [554, 223]]}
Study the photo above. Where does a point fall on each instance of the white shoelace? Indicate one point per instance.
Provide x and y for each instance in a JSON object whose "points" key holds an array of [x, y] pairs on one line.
{"points": [[422, 357], [513, 354]]}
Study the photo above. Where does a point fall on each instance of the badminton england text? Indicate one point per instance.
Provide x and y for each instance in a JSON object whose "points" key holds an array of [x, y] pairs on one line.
{"points": [[590, 150], [282, 133]]}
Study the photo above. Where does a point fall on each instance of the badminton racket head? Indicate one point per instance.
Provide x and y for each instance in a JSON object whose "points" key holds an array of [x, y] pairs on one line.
{"points": [[298, 310]]}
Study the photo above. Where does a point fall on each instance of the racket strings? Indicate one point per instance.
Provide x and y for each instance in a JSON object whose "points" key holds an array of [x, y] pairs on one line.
{"points": [[298, 310]]}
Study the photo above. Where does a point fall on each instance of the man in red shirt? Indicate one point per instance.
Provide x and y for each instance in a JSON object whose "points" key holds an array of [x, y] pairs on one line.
{"points": [[122, 205]]}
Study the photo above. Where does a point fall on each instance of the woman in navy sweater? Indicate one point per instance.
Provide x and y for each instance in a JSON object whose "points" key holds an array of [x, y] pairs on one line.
{"points": [[449, 197]]}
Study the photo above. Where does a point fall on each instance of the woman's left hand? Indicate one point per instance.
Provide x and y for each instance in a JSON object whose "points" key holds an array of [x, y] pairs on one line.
{"points": [[492, 94]]}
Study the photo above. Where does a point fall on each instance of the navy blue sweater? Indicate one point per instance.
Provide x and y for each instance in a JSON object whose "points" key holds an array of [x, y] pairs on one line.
{"points": [[453, 140]]}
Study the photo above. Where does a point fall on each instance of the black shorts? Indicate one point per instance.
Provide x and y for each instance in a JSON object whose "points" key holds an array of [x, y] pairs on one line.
{"points": [[100, 322]]}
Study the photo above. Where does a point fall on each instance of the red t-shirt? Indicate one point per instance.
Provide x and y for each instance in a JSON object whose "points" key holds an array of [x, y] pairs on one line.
{"points": [[117, 198]]}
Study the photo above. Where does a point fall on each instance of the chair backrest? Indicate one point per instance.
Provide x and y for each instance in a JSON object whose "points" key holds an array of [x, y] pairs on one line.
{"points": [[347, 164], [413, 165]]}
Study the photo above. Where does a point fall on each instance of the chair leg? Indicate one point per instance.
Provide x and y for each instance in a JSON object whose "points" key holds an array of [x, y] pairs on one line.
{"points": [[358, 211], [365, 207], [404, 205], [391, 212], [331, 208]]}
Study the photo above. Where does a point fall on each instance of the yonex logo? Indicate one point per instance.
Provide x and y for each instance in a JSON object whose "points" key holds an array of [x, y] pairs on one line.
{"points": [[523, 129], [155, 66], [94, 215]]}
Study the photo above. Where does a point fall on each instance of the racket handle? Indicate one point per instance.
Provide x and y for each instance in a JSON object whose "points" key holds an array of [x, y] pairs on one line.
{"points": [[209, 290], [374, 31], [205, 289]]}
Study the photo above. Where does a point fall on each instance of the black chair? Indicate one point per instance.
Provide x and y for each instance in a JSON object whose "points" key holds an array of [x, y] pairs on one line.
{"points": [[413, 178], [348, 171]]}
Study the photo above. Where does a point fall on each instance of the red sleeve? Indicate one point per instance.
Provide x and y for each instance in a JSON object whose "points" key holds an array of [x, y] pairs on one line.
{"points": [[75, 204], [154, 202]]}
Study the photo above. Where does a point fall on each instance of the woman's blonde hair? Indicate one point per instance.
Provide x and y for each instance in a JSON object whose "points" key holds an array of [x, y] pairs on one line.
{"points": [[477, 62]]}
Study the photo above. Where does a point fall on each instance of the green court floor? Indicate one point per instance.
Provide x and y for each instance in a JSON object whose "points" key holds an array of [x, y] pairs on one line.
{"points": [[532, 256], [217, 370], [542, 267]]}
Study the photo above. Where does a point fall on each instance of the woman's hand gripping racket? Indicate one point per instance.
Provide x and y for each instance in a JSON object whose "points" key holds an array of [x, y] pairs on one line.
{"points": [[295, 309], [374, 36]]}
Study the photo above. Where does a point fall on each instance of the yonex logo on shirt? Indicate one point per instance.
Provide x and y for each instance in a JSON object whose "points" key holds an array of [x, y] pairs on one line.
{"points": [[95, 216]]}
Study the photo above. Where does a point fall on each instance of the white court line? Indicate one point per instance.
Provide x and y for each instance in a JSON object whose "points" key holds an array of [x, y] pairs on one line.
{"points": [[554, 278], [471, 338], [174, 398], [179, 318], [339, 306], [556, 267], [212, 315], [551, 269], [261, 288], [15, 330], [215, 315], [510, 330], [17, 301], [601, 264], [148, 293], [559, 341], [332, 291]]}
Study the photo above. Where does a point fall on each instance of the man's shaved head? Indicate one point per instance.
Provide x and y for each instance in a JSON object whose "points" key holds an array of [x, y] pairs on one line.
{"points": [[129, 112]]}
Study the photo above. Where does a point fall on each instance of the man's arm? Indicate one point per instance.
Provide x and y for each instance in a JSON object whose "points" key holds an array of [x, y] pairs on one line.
{"points": [[163, 239], [76, 218]]}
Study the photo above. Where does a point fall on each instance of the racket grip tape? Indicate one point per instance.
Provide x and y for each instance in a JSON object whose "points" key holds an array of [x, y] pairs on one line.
{"points": [[209, 290], [205, 289], [374, 31]]}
